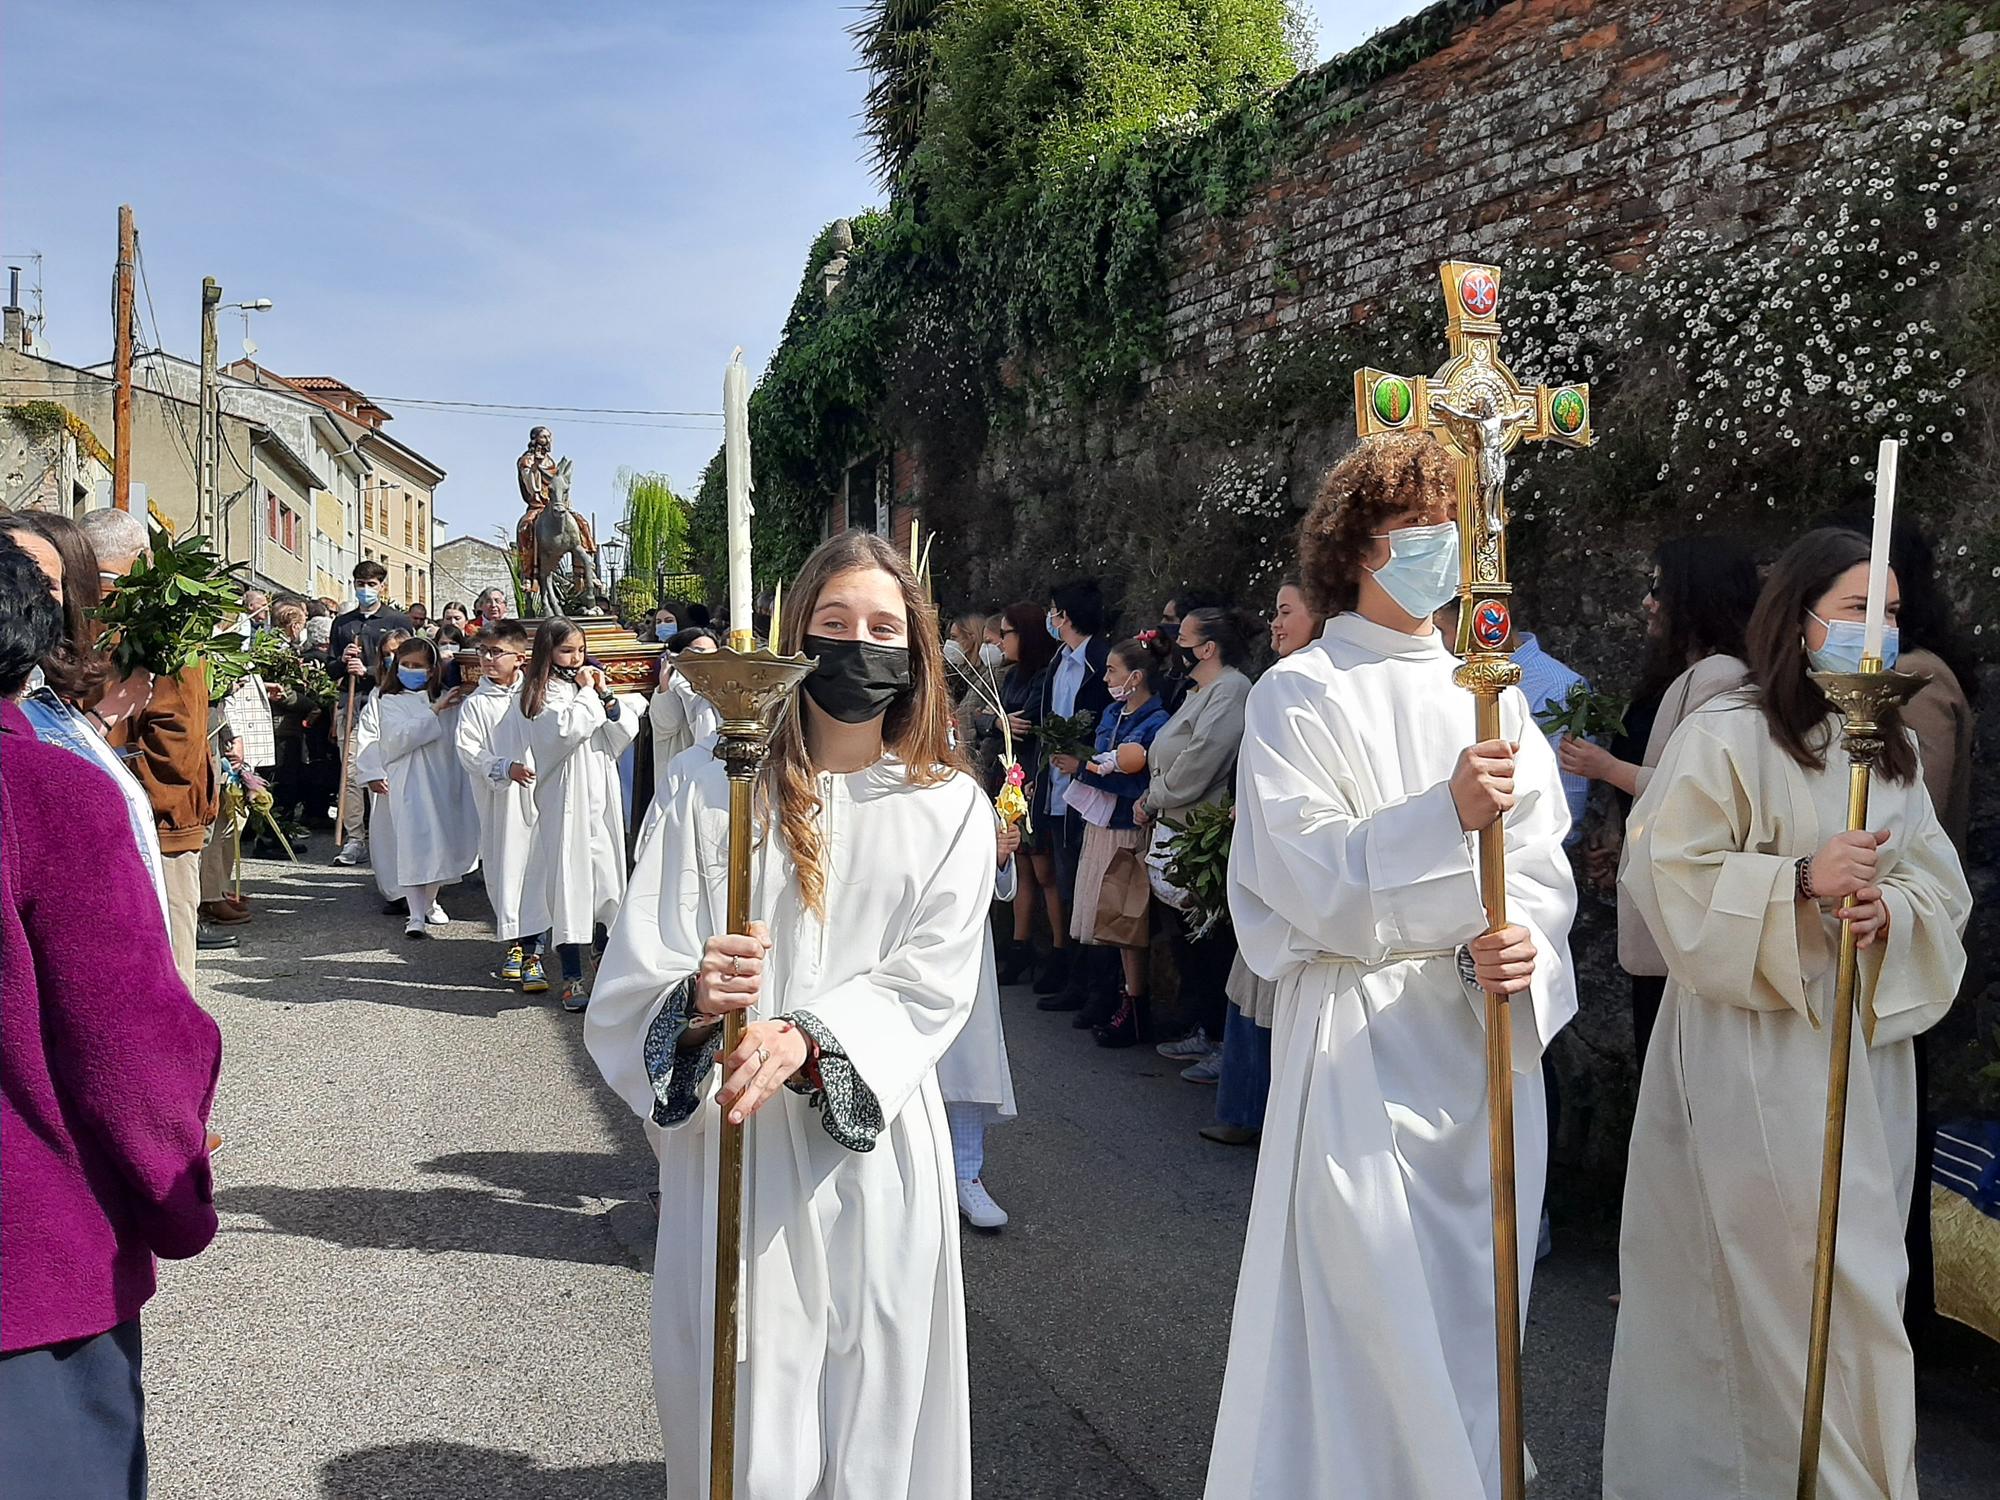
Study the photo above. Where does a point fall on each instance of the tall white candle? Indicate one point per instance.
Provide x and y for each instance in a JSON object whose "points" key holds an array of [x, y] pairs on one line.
{"points": [[1878, 552], [736, 464]]}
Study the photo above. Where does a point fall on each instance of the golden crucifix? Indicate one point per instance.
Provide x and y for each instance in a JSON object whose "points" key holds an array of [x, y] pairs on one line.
{"points": [[1479, 411]]}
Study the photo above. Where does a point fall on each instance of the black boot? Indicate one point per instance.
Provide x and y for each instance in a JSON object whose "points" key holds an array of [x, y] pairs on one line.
{"points": [[1054, 978], [1013, 960], [1123, 1028], [1105, 997]]}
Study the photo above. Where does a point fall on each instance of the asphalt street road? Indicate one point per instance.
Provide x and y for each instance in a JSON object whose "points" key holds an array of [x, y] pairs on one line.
{"points": [[430, 1282]]}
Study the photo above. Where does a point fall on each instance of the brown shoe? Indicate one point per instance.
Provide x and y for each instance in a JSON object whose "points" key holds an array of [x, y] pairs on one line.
{"points": [[222, 913], [241, 903], [1229, 1135]]}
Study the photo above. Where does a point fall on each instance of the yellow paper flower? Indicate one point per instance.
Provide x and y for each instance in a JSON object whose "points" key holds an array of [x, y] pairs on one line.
{"points": [[1012, 805]]}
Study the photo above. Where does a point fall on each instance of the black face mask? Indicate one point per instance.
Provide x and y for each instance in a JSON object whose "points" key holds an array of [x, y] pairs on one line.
{"points": [[567, 674], [1188, 660], [857, 680]]}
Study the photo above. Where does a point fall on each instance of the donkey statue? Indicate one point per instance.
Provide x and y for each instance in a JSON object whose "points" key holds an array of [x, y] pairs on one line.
{"points": [[559, 540]]}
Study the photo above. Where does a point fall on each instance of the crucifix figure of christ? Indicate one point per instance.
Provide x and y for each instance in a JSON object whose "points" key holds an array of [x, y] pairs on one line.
{"points": [[1479, 411]]}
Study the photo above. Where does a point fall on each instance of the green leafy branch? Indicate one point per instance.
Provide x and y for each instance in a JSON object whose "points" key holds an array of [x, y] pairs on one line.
{"points": [[162, 617], [1585, 715], [1198, 861], [1072, 734]]}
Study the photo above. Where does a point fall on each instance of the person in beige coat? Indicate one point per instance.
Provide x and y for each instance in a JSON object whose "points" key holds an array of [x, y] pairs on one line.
{"points": [[1699, 601]]}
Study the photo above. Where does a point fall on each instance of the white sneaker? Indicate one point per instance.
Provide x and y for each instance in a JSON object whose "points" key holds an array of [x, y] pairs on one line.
{"points": [[435, 916], [414, 928], [980, 1211], [351, 853], [1190, 1048]]}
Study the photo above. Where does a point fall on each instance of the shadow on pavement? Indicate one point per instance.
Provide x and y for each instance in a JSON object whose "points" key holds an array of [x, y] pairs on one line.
{"points": [[559, 1179], [458, 1471], [435, 1221]]}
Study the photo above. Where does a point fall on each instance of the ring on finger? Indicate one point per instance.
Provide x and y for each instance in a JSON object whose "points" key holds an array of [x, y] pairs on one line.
{"points": [[763, 1056]]}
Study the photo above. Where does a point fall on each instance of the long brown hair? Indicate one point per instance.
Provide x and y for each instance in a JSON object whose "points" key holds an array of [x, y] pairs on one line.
{"points": [[75, 670], [1798, 713], [393, 684], [916, 730], [552, 633]]}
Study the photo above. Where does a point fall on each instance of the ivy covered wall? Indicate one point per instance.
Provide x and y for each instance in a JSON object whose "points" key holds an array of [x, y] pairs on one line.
{"points": [[1763, 231]]}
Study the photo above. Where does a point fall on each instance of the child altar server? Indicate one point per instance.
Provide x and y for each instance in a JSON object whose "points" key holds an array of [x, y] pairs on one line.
{"points": [[365, 762], [871, 891], [502, 779], [1361, 1354], [1738, 858], [973, 1075], [411, 766], [572, 728], [681, 717]]}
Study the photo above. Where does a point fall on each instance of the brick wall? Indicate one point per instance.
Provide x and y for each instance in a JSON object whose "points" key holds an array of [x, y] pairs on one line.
{"points": [[1548, 121]]}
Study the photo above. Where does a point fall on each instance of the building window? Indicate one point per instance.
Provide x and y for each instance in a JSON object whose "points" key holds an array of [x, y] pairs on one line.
{"points": [[290, 540], [409, 584], [423, 534], [409, 524], [271, 510], [368, 508]]}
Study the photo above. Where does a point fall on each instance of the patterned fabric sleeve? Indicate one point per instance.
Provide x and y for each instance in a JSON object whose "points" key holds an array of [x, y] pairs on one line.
{"points": [[678, 1076], [848, 1108]]}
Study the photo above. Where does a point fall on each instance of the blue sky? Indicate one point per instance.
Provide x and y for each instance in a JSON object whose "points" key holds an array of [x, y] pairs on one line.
{"points": [[571, 205]]}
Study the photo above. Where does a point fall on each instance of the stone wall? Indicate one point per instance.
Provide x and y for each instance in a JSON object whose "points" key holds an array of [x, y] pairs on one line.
{"points": [[1539, 124], [466, 567], [1601, 122]]}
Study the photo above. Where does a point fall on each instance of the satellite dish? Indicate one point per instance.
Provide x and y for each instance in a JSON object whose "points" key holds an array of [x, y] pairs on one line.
{"points": [[249, 348]]}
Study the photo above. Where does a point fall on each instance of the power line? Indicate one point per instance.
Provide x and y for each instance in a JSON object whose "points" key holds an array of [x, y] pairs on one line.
{"points": [[173, 406], [608, 411]]}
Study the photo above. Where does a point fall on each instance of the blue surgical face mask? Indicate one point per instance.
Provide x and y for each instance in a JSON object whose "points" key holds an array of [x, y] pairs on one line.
{"points": [[1844, 639], [416, 679], [365, 596], [1050, 621], [1421, 574], [665, 631]]}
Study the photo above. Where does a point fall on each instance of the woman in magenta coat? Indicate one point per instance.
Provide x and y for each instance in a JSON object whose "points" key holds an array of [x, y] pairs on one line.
{"points": [[107, 1069]]}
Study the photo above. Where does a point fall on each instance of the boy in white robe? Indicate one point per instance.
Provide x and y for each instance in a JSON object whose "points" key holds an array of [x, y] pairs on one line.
{"points": [[1361, 1359], [572, 728], [977, 1084], [366, 766], [502, 776], [1737, 858], [681, 717]]}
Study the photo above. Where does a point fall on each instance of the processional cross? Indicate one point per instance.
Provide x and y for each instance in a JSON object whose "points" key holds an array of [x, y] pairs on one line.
{"points": [[1479, 412]]}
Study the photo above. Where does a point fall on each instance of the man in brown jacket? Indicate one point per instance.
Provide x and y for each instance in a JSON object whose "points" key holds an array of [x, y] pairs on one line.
{"points": [[168, 729]]}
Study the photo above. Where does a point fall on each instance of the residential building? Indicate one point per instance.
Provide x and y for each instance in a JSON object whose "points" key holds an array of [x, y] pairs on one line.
{"points": [[397, 494], [466, 567]]}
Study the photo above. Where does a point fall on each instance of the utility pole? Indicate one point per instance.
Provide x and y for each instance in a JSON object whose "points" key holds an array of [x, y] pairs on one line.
{"points": [[207, 518], [121, 392]]}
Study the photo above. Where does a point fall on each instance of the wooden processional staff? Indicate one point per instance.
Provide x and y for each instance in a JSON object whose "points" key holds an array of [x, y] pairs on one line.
{"points": [[1479, 411], [750, 689]]}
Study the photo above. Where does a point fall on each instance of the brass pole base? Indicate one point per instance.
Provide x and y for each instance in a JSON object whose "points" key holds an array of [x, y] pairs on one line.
{"points": [[748, 689]]}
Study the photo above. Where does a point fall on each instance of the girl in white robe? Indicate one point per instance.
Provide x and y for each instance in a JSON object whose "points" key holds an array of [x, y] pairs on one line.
{"points": [[853, 1384], [681, 717], [977, 1084], [572, 728], [364, 755], [430, 807], [500, 771], [1722, 1190], [1361, 1356]]}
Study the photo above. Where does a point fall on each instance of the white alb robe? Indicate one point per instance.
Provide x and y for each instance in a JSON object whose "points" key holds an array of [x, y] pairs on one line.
{"points": [[365, 755], [576, 851], [1361, 1360], [681, 718], [1722, 1192], [855, 1387], [506, 808], [974, 1068], [429, 805]]}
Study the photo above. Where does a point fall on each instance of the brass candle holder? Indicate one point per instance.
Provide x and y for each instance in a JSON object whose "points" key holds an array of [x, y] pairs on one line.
{"points": [[1866, 699], [748, 687]]}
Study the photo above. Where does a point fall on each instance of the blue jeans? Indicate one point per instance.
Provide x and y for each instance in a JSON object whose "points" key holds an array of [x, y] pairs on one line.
{"points": [[1246, 1072]]}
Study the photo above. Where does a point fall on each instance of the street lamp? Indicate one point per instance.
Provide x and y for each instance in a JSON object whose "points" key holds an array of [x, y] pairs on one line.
{"points": [[614, 552]]}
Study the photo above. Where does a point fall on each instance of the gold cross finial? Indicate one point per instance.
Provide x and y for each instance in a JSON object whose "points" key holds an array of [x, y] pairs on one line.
{"points": [[1478, 410]]}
